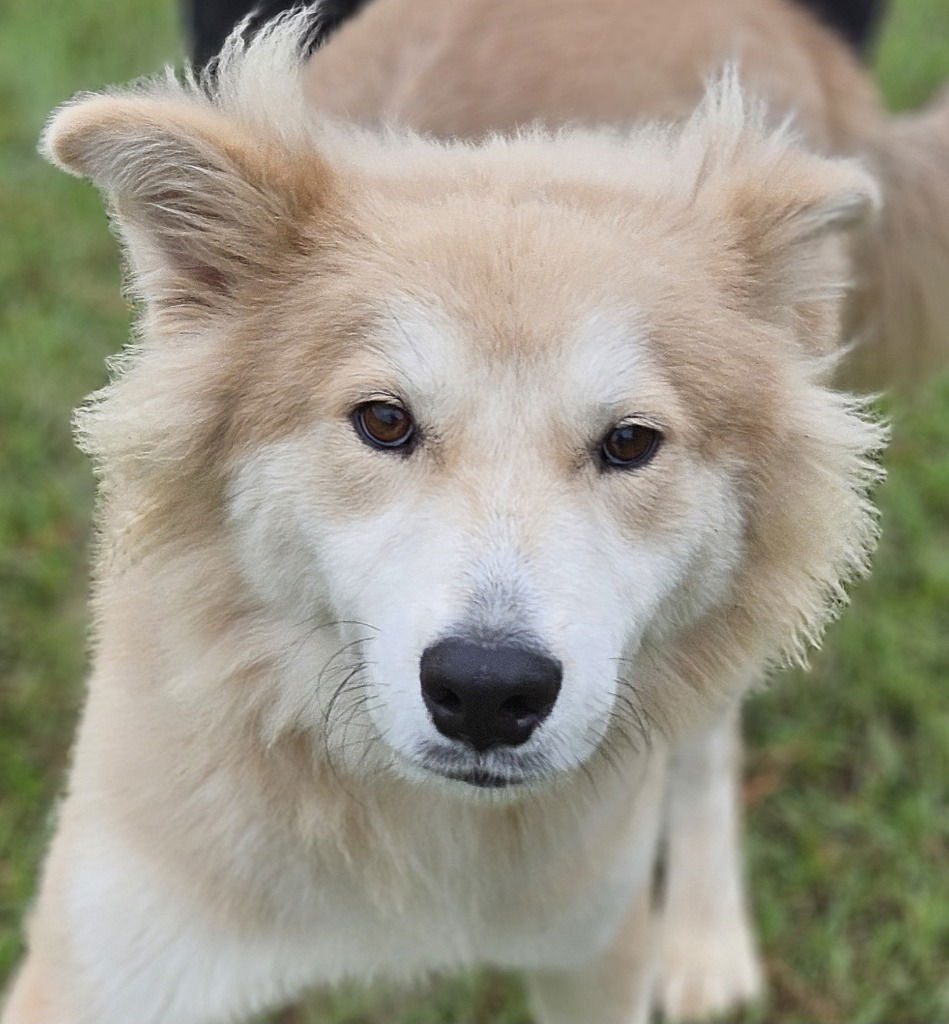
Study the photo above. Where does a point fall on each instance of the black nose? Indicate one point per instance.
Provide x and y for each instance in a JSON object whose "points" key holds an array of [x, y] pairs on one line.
{"points": [[488, 696]]}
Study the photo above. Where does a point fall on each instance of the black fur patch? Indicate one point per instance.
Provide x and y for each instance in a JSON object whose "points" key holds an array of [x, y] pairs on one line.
{"points": [[856, 20], [211, 21]]}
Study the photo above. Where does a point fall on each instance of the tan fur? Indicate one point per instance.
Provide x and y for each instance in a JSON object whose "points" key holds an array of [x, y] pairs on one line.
{"points": [[610, 62], [415, 61], [901, 307], [235, 831]]}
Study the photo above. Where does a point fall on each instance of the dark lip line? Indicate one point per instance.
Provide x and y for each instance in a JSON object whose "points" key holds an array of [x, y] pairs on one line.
{"points": [[480, 779]]}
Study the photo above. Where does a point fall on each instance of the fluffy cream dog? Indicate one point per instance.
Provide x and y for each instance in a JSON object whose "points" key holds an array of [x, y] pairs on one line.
{"points": [[451, 497]]}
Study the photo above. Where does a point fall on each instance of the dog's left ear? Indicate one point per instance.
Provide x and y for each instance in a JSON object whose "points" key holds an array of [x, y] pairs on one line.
{"points": [[202, 203], [790, 216], [784, 211]]}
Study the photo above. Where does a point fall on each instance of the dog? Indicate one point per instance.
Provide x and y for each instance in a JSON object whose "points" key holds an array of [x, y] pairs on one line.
{"points": [[464, 475]]}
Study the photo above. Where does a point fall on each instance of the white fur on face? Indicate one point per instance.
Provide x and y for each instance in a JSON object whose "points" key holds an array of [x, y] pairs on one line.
{"points": [[501, 524]]}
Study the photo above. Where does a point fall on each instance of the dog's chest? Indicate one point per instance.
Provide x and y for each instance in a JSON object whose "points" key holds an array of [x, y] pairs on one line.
{"points": [[484, 921], [458, 896]]}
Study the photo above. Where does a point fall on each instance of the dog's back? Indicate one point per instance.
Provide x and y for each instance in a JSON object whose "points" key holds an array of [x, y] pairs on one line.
{"points": [[462, 70]]}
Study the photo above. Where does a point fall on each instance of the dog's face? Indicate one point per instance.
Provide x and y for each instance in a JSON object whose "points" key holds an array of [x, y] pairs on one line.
{"points": [[510, 447], [499, 469], [498, 486]]}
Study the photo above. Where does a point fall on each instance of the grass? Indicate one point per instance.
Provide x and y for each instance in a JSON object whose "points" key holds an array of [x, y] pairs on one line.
{"points": [[848, 775]]}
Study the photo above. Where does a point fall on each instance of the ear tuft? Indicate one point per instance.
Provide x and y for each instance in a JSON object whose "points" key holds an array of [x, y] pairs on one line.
{"points": [[69, 140], [207, 177], [201, 201], [782, 208], [790, 217]]}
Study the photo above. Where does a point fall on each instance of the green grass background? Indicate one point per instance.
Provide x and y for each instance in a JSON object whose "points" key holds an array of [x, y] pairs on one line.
{"points": [[848, 773]]}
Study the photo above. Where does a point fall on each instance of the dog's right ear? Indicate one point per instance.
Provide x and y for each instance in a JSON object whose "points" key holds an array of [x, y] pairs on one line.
{"points": [[203, 203]]}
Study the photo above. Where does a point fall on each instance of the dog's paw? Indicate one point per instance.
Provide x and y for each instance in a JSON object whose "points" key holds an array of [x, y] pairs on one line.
{"points": [[705, 972]]}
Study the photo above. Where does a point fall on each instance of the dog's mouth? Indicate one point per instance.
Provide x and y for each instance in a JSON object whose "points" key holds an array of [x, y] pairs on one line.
{"points": [[482, 779], [494, 771]]}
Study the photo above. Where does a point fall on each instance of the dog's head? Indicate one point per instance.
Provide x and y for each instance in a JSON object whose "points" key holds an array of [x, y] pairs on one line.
{"points": [[516, 448]]}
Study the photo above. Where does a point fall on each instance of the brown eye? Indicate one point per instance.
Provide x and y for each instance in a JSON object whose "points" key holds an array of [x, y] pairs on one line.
{"points": [[629, 446], [384, 425]]}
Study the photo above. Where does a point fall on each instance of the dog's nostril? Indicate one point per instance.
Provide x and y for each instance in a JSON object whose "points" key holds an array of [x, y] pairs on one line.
{"points": [[488, 696], [444, 698]]}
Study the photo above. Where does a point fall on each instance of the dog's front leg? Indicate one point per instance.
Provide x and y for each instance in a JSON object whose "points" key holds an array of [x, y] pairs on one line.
{"points": [[111, 942], [614, 988], [708, 962]]}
